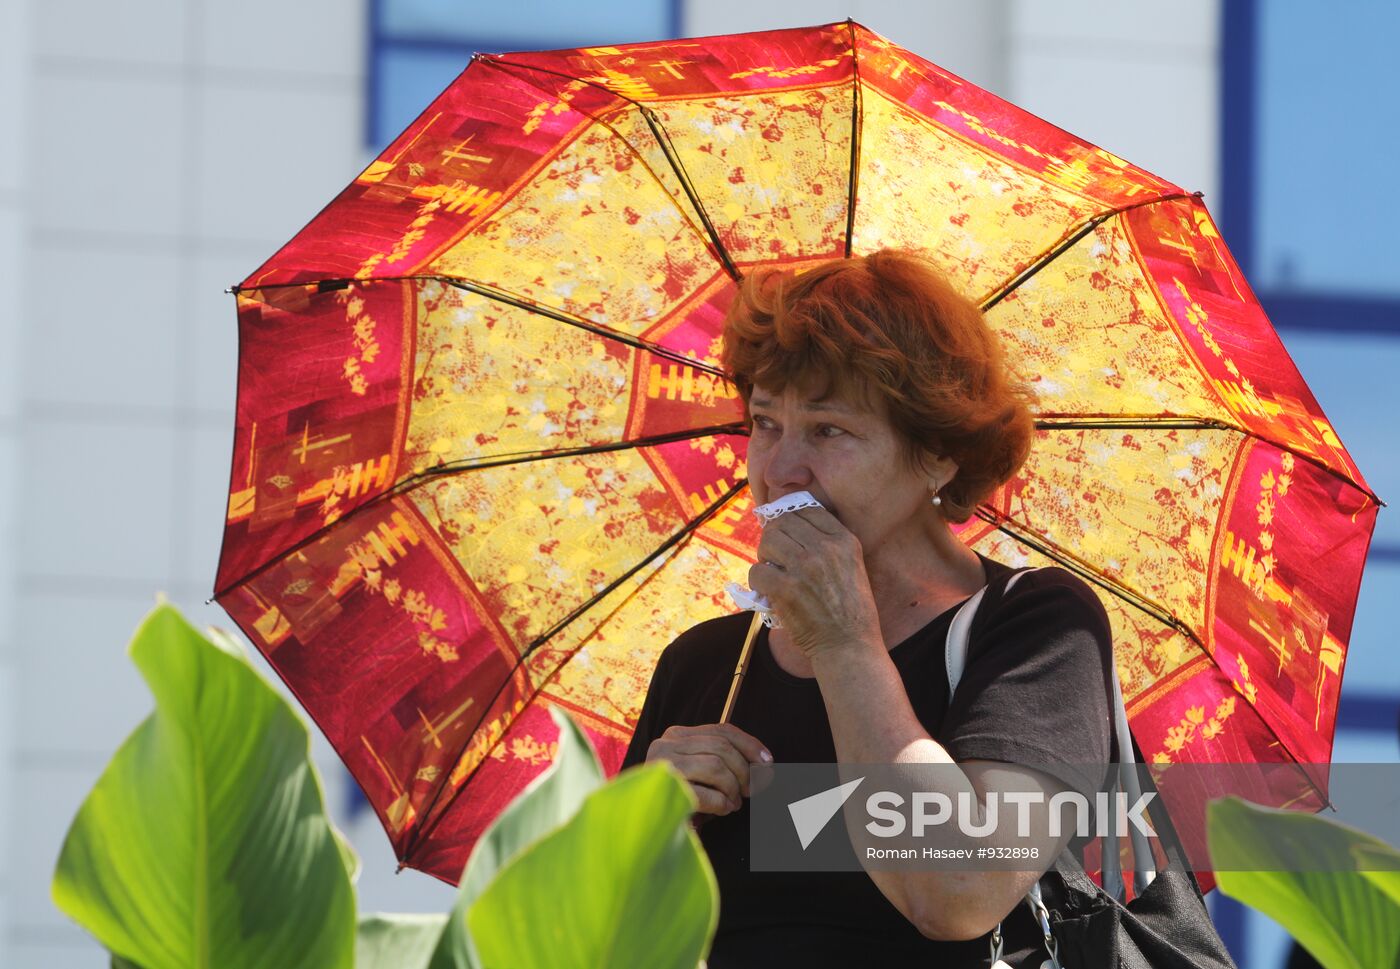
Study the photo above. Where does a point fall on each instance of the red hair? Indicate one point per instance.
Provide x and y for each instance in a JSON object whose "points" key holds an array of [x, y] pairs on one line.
{"points": [[890, 328]]}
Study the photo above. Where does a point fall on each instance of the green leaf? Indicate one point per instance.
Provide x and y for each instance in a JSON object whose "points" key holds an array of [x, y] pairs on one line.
{"points": [[397, 941], [548, 801], [1314, 888], [1380, 865], [625, 883], [205, 843]]}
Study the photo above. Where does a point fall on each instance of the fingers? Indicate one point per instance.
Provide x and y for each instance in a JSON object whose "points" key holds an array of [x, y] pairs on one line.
{"points": [[799, 536], [715, 759], [762, 576], [817, 519], [750, 746], [721, 751], [779, 547], [711, 802]]}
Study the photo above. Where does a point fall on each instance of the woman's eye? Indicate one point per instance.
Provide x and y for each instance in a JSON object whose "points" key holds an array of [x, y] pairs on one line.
{"points": [[762, 423], [829, 430]]}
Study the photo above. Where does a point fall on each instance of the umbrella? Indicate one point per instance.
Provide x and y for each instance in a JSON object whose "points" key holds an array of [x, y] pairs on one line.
{"points": [[485, 461]]}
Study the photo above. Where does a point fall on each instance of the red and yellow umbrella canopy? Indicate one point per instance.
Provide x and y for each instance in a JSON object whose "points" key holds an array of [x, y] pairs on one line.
{"points": [[485, 460]]}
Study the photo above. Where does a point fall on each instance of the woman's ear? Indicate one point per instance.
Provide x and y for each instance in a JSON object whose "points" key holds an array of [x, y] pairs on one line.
{"points": [[938, 469]]}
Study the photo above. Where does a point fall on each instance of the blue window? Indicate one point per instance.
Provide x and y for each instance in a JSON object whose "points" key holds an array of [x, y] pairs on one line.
{"points": [[416, 47], [1309, 141]]}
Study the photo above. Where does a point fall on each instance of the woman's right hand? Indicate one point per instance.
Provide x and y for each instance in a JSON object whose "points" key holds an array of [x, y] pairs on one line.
{"points": [[714, 758]]}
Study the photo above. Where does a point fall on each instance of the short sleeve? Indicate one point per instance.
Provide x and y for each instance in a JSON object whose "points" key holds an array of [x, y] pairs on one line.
{"points": [[1036, 687]]}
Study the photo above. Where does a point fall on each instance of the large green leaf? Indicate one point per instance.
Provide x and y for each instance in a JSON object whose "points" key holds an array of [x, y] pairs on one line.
{"points": [[204, 843], [397, 941], [625, 883], [549, 801], [1338, 913], [1380, 865]]}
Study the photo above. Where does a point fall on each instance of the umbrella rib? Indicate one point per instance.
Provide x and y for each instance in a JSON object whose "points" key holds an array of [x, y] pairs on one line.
{"points": [[1068, 241], [663, 140], [690, 526], [1148, 422], [1084, 570], [501, 65], [501, 296], [856, 117], [510, 299], [459, 467], [421, 834]]}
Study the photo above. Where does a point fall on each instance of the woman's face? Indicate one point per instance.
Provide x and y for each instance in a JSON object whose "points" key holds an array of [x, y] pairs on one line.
{"points": [[847, 455]]}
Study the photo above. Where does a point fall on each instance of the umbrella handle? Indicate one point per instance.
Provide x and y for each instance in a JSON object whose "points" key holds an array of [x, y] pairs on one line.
{"points": [[741, 667]]}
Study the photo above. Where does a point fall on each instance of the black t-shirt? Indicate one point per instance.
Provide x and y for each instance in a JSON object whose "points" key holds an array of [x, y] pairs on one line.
{"points": [[1034, 690]]}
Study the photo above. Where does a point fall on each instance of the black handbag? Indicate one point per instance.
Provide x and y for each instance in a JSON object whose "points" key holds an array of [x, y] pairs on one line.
{"points": [[1164, 926]]}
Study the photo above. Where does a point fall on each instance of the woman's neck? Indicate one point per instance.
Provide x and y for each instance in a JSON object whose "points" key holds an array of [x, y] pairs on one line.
{"points": [[917, 577]]}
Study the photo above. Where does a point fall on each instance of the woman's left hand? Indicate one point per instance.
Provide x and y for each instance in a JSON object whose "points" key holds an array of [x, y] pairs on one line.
{"points": [[812, 569]]}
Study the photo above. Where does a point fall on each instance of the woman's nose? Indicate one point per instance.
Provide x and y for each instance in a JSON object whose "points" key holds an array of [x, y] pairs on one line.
{"points": [[788, 467]]}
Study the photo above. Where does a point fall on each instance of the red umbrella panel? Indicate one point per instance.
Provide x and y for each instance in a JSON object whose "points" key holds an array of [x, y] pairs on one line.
{"points": [[485, 461]]}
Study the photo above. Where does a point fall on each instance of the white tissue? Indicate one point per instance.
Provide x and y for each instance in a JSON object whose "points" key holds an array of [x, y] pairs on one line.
{"points": [[787, 503], [746, 599]]}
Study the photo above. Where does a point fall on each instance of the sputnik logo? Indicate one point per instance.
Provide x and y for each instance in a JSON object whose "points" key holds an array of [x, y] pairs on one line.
{"points": [[811, 814]]}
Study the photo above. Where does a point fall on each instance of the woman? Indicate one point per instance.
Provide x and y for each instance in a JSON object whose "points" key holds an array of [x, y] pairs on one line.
{"points": [[871, 383]]}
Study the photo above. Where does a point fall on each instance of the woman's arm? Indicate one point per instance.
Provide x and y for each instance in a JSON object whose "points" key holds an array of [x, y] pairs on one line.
{"points": [[1024, 694], [872, 722]]}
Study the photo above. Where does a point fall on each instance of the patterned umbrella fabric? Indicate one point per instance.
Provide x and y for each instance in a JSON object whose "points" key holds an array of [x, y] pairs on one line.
{"points": [[485, 461]]}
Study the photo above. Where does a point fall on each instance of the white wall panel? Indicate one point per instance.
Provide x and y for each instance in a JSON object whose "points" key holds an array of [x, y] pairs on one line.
{"points": [[1159, 113], [139, 32], [13, 263], [1138, 79], [316, 38], [206, 453], [159, 131], [14, 100], [209, 327], [733, 16], [15, 68], [82, 695], [47, 792], [966, 38], [96, 499], [270, 157], [101, 325], [1192, 25], [49, 950], [106, 157]]}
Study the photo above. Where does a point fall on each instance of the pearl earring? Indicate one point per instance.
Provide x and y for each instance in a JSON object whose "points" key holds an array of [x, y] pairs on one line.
{"points": [[935, 500]]}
